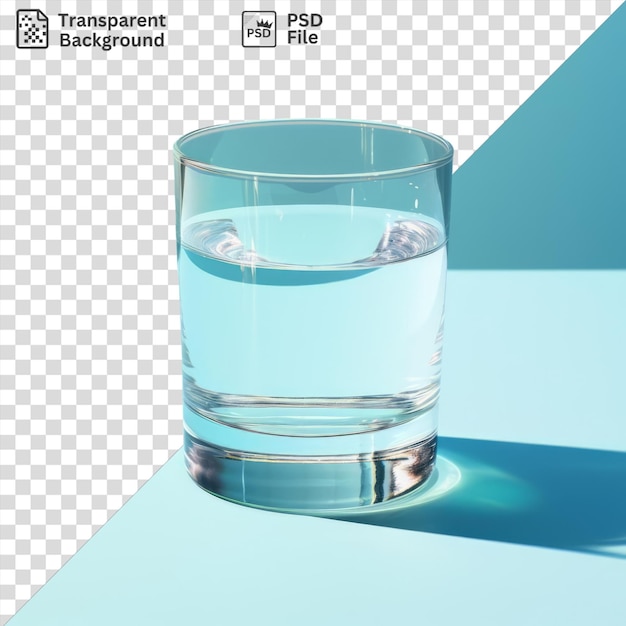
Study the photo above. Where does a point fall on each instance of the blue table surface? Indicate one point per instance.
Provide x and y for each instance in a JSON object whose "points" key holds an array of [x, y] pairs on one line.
{"points": [[525, 522]]}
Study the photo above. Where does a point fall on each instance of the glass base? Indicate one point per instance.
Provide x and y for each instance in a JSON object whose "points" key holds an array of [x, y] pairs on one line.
{"points": [[362, 474]]}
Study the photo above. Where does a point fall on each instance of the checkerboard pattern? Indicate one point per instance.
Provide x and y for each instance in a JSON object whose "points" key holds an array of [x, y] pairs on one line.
{"points": [[89, 338]]}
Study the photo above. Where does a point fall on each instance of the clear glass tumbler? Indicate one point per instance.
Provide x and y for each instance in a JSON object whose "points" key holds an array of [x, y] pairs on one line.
{"points": [[312, 264]]}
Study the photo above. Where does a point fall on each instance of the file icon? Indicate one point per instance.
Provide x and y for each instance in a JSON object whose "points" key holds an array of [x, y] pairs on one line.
{"points": [[31, 29]]}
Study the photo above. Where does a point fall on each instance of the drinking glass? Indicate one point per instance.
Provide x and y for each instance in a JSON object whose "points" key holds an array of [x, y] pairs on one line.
{"points": [[312, 265]]}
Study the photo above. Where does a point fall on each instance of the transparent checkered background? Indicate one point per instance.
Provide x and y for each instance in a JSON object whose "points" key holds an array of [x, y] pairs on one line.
{"points": [[90, 370]]}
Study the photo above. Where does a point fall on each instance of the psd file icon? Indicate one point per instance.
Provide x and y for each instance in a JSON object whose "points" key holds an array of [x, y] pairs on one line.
{"points": [[31, 29], [258, 29]]}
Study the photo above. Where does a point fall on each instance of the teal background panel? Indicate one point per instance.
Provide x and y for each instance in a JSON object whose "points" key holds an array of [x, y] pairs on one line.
{"points": [[546, 191]]}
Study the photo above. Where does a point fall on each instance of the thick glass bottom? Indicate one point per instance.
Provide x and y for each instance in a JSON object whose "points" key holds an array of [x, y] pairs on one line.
{"points": [[306, 474], [310, 417]]}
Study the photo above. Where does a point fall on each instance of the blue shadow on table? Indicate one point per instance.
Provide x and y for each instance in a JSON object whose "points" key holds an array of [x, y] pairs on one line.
{"points": [[556, 497]]}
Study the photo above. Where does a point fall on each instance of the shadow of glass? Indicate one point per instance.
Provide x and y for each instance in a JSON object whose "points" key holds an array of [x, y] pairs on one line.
{"points": [[566, 498]]}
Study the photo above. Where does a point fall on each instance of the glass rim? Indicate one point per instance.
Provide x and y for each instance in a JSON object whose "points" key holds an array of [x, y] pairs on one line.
{"points": [[179, 152]]}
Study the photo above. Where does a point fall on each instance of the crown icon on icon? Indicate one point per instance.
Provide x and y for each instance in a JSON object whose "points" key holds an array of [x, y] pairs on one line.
{"points": [[258, 29]]}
